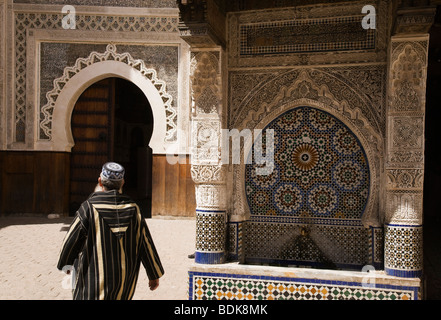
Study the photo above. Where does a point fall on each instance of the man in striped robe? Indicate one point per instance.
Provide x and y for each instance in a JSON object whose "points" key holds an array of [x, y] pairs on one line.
{"points": [[107, 242]]}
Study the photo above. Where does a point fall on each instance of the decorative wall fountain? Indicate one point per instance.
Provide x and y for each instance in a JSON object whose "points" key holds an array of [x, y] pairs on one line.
{"points": [[308, 211]]}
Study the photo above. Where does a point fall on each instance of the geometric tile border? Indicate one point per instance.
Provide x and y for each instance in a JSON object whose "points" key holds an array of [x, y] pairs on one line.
{"points": [[218, 286]]}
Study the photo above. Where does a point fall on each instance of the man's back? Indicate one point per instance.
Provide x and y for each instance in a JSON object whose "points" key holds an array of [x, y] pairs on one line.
{"points": [[110, 239]]}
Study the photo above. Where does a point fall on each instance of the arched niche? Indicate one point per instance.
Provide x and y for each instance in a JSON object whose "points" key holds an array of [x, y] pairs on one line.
{"points": [[61, 100], [276, 232]]}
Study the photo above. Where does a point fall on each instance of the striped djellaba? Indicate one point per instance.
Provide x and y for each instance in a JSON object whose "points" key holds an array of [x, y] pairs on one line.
{"points": [[106, 243]]}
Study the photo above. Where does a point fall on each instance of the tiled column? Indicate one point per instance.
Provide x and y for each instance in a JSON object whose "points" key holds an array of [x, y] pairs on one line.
{"points": [[405, 156], [210, 216], [207, 170]]}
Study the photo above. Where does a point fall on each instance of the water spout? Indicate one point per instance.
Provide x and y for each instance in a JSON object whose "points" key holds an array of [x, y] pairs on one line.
{"points": [[303, 249]]}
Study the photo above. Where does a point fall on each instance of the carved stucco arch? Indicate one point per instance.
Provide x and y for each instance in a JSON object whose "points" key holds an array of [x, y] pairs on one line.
{"points": [[408, 76], [302, 84], [67, 89], [418, 47], [370, 139]]}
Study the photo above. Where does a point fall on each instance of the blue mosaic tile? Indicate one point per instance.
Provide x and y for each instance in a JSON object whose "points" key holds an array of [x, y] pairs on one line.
{"points": [[308, 210], [321, 170]]}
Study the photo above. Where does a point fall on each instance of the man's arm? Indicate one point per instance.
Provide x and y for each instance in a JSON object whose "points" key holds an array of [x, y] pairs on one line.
{"points": [[73, 242], [150, 258]]}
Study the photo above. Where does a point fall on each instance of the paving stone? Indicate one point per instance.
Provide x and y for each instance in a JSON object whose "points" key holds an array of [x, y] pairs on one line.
{"points": [[29, 249]]}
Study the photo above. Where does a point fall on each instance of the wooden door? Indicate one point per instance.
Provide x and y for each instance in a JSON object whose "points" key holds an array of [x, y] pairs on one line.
{"points": [[92, 129]]}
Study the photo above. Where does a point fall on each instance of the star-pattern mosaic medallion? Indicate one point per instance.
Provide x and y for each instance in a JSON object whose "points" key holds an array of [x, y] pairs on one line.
{"points": [[320, 169]]}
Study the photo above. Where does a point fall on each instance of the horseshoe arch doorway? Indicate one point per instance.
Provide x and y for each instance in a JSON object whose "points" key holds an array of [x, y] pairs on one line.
{"points": [[112, 121]]}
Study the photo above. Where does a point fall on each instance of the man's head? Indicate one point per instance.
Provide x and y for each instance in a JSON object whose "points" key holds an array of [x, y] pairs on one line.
{"points": [[112, 176]]}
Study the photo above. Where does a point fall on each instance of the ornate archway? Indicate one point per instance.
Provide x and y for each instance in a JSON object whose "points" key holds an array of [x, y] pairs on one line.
{"points": [[54, 123], [324, 93], [309, 89]]}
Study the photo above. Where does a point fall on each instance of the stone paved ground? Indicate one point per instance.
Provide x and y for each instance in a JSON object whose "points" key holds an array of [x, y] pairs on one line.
{"points": [[29, 248]]}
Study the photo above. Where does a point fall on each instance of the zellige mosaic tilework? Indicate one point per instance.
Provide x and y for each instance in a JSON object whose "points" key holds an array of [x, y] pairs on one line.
{"points": [[211, 286], [320, 171], [319, 188]]}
